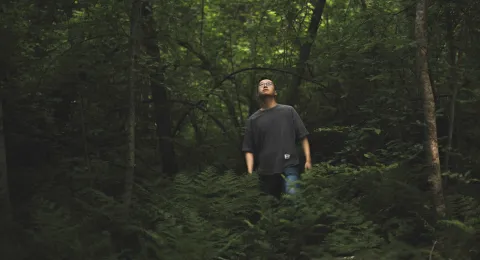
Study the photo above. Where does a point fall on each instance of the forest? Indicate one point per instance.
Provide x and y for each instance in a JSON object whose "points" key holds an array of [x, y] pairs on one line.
{"points": [[121, 127]]}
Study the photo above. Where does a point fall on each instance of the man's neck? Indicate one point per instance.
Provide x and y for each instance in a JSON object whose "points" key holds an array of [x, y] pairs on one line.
{"points": [[268, 103]]}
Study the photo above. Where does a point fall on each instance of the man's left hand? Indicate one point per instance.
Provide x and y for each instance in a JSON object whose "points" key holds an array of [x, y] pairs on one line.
{"points": [[308, 165]]}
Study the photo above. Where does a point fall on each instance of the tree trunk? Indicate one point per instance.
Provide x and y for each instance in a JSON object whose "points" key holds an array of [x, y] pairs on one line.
{"points": [[86, 151], [305, 52], [431, 142], [253, 89], [364, 4], [130, 126], [452, 82], [162, 107], [164, 123], [6, 245], [5, 207], [196, 127]]}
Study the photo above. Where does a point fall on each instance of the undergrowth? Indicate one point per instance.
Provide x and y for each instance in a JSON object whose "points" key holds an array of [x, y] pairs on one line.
{"points": [[372, 212]]}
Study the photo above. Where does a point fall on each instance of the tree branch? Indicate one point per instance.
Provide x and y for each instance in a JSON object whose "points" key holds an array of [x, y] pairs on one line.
{"points": [[227, 77], [430, 257], [199, 106]]}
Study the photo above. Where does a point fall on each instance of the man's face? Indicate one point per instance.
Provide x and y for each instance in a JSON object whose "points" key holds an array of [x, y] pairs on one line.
{"points": [[266, 88]]}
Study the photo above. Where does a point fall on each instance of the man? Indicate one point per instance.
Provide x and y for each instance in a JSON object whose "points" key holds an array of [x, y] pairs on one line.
{"points": [[270, 141]]}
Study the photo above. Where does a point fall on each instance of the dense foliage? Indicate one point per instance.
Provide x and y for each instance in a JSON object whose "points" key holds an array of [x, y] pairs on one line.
{"points": [[372, 213], [67, 69]]}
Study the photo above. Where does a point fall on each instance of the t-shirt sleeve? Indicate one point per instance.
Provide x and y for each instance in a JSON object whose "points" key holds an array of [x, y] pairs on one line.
{"points": [[247, 145], [300, 130]]}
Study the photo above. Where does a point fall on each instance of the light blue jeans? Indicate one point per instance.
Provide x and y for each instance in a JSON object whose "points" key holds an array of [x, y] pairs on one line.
{"points": [[292, 176]]}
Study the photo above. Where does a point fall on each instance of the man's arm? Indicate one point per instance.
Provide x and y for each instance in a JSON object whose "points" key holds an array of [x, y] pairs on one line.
{"points": [[306, 151], [247, 146], [249, 160], [301, 134]]}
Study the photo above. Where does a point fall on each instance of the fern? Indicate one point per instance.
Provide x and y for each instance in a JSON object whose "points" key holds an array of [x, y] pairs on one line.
{"points": [[58, 234], [369, 212]]}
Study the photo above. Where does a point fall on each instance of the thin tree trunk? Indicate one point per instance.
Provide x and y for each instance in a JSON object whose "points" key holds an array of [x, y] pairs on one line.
{"points": [[130, 127], [364, 4], [253, 90], [239, 104], [196, 128], [452, 83], [160, 98], [431, 143], [164, 124], [84, 136], [5, 206], [202, 22], [451, 124], [252, 94], [305, 52], [6, 214], [230, 104]]}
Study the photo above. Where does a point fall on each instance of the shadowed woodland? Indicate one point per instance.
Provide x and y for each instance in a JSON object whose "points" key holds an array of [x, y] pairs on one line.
{"points": [[122, 121]]}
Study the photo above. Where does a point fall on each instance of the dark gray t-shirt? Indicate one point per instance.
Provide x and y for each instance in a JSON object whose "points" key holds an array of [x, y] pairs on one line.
{"points": [[271, 135]]}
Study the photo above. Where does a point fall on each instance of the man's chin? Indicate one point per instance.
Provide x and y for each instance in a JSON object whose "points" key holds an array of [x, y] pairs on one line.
{"points": [[265, 96]]}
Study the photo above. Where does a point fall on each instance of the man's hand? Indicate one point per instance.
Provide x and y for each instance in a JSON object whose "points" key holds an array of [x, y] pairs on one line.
{"points": [[308, 165]]}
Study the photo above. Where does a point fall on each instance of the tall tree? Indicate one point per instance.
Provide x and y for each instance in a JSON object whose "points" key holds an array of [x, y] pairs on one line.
{"points": [[305, 50], [130, 126], [5, 209], [162, 106], [431, 142], [453, 56], [5, 204]]}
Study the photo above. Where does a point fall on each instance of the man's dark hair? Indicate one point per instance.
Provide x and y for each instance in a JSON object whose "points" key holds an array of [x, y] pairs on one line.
{"points": [[264, 77]]}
